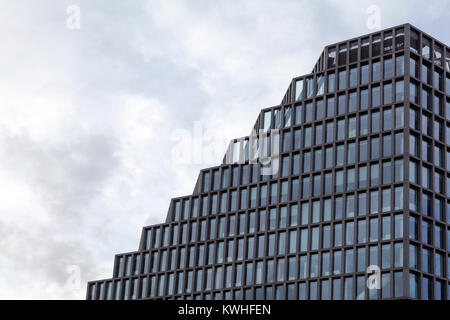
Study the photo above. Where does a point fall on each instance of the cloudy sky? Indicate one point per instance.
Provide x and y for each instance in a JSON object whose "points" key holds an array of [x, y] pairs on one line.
{"points": [[92, 119]]}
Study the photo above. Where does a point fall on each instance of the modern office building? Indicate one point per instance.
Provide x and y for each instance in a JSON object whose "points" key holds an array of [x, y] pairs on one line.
{"points": [[357, 176]]}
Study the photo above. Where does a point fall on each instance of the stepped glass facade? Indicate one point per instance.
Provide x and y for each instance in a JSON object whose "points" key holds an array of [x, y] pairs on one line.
{"points": [[357, 176]]}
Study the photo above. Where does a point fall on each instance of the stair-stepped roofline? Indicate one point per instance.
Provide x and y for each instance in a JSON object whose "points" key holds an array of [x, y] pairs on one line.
{"points": [[322, 64]]}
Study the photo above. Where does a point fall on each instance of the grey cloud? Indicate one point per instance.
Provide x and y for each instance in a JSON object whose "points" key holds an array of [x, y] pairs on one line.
{"points": [[40, 257], [66, 175]]}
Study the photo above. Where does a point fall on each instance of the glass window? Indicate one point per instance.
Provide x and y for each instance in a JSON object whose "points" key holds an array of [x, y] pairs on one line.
{"points": [[364, 97], [414, 145], [376, 71], [286, 145], [326, 237], [337, 235], [336, 289], [414, 42], [438, 105], [414, 68], [399, 117], [439, 237], [386, 200], [338, 208], [362, 234], [328, 157], [426, 74], [439, 265], [320, 85], [308, 112], [362, 177], [398, 148], [340, 129], [307, 137], [414, 119], [447, 79], [305, 187], [319, 110], [340, 155], [330, 107], [352, 127], [349, 233], [306, 162], [399, 91], [373, 201], [351, 153], [376, 45], [329, 132], [337, 262], [352, 101], [363, 124], [375, 120], [388, 72], [287, 116], [387, 146], [303, 239], [413, 199], [363, 150], [331, 82], [318, 137], [299, 89], [398, 200], [413, 93], [413, 172], [309, 88], [342, 79], [387, 119], [327, 210], [386, 256], [298, 114], [304, 213], [317, 159], [426, 260], [426, 176], [373, 255], [398, 170], [339, 181], [316, 185], [426, 99], [437, 80], [325, 264], [387, 172], [362, 204], [374, 148], [376, 96], [364, 74], [341, 104], [439, 209], [387, 93], [373, 233], [315, 238], [353, 77], [349, 265], [399, 65]]}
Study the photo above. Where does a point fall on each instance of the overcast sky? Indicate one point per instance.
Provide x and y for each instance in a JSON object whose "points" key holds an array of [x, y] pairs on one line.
{"points": [[92, 119]]}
